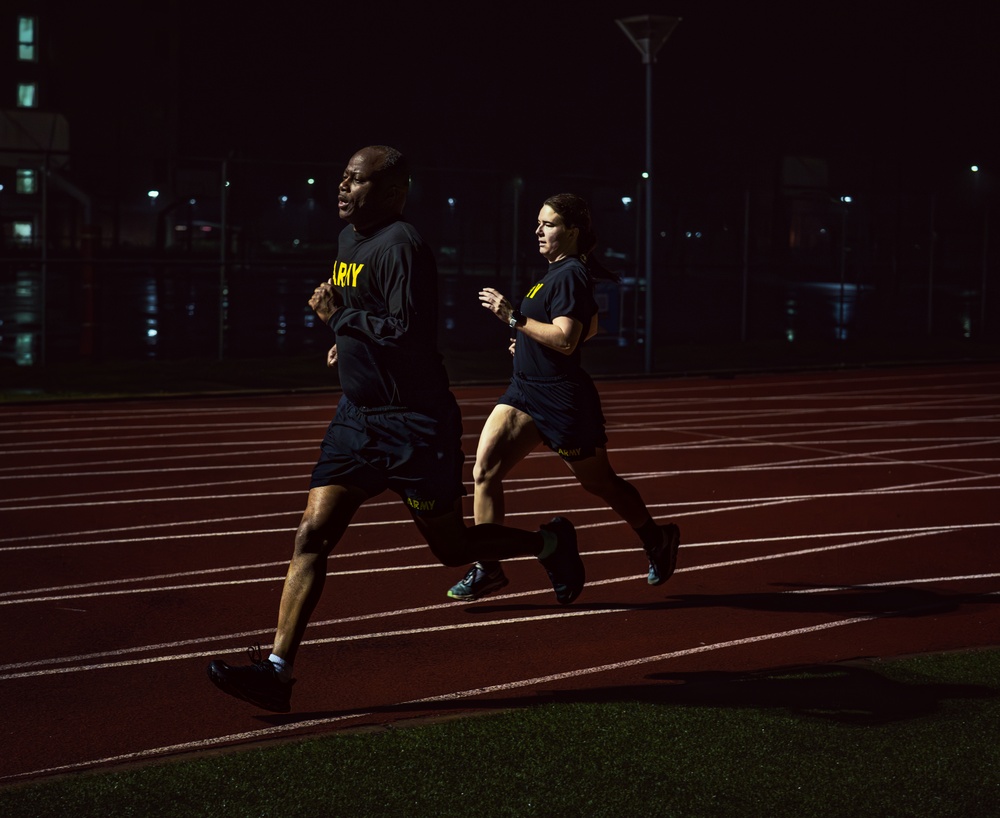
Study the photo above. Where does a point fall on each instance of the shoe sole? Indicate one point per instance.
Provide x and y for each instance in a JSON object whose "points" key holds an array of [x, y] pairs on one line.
{"points": [[673, 543], [492, 588], [569, 600], [219, 680]]}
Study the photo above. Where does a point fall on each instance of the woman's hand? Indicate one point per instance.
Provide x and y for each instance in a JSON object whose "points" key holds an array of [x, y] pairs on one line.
{"points": [[496, 303]]}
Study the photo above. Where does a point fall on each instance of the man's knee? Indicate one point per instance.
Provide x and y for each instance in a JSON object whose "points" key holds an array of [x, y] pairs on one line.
{"points": [[449, 547], [329, 511], [311, 539], [601, 487], [451, 559]]}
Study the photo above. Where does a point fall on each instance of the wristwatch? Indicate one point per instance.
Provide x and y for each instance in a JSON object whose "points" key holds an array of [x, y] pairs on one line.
{"points": [[516, 319]]}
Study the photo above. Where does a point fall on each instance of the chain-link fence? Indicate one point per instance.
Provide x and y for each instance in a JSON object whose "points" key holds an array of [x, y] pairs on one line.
{"points": [[220, 261]]}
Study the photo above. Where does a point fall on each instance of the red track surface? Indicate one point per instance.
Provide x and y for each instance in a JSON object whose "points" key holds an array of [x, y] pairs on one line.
{"points": [[824, 516]]}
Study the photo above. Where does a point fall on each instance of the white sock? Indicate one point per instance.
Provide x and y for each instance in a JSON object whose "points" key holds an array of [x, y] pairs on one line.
{"points": [[284, 669]]}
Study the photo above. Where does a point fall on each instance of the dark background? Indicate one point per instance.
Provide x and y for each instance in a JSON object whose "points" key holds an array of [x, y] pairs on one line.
{"points": [[763, 118], [904, 87]]}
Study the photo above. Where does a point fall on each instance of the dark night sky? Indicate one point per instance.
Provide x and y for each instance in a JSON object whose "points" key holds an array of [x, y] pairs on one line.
{"points": [[521, 86]]}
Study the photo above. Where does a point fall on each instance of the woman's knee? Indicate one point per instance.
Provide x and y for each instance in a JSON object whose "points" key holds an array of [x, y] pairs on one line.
{"points": [[485, 475]]}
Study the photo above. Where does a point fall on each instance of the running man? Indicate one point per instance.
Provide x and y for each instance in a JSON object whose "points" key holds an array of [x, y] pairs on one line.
{"points": [[397, 425]]}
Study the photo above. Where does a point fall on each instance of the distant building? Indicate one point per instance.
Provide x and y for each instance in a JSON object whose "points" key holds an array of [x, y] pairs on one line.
{"points": [[34, 138]]}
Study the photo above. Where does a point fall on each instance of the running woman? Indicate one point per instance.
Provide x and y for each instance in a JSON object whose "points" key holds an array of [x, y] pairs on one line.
{"points": [[551, 399]]}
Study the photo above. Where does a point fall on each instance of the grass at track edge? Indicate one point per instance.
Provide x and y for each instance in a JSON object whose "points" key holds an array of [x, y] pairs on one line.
{"points": [[909, 737]]}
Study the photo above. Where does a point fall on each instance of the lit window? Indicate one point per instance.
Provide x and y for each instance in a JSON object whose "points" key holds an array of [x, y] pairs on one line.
{"points": [[27, 96], [27, 39], [27, 181], [22, 232]]}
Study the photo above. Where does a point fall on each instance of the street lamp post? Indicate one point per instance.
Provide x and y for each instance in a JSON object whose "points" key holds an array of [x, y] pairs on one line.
{"points": [[648, 33]]}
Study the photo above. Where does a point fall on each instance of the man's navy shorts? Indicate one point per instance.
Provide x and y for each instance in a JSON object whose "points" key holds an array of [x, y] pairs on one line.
{"points": [[566, 410], [416, 455]]}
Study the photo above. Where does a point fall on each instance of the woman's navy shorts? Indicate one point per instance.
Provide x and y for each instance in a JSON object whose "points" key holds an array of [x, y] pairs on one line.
{"points": [[566, 410], [418, 456]]}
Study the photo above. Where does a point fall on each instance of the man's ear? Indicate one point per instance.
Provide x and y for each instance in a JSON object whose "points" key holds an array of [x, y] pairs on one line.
{"points": [[397, 195]]}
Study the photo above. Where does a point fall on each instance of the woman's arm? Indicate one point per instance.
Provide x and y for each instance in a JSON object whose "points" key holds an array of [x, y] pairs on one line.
{"points": [[563, 334]]}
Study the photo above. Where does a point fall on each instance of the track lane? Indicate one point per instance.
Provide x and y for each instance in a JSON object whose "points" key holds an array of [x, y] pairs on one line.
{"points": [[825, 516]]}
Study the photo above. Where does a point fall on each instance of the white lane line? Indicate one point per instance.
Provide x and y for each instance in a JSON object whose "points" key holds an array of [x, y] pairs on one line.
{"points": [[786, 426], [140, 489], [895, 583], [106, 593], [152, 408], [653, 421], [164, 456], [710, 507], [122, 440], [799, 464], [182, 428], [755, 441], [400, 612], [452, 696], [72, 475], [560, 481], [60, 592], [190, 498], [615, 411], [727, 442], [291, 512], [617, 429], [156, 526], [213, 447], [680, 417]]}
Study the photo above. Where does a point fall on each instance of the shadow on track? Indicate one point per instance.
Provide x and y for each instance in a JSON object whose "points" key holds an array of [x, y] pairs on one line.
{"points": [[851, 600], [850, 693]]}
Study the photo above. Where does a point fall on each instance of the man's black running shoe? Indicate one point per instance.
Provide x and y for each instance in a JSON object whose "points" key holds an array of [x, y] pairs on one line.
{"points": [[663, 556], [564, 566], [257, 683]]}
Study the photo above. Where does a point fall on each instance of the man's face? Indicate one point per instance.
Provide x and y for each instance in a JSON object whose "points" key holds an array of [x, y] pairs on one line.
{"points": [[364, 197]]}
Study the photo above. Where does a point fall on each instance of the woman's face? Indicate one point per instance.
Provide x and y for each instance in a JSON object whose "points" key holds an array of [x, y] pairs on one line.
{"points": [[555, 240]]}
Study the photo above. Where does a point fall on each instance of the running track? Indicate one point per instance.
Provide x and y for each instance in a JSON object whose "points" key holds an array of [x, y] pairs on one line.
{"points": [[824, 516]]}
